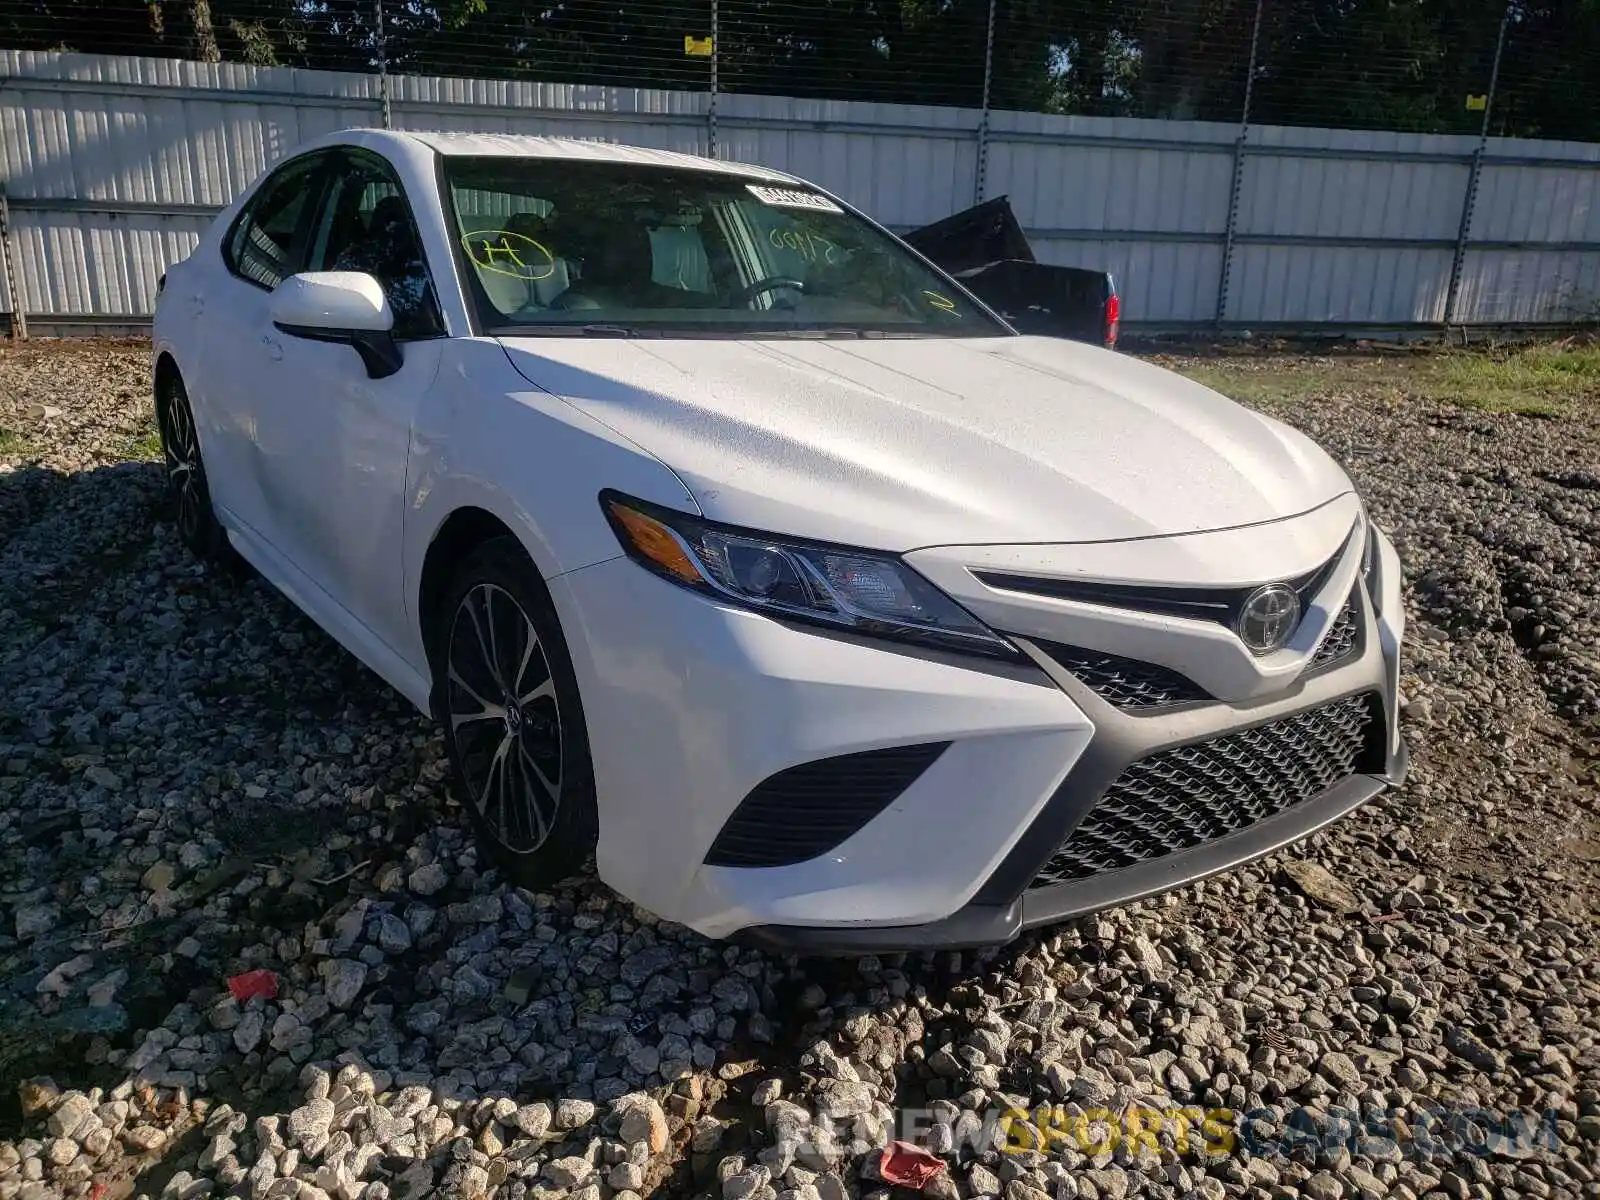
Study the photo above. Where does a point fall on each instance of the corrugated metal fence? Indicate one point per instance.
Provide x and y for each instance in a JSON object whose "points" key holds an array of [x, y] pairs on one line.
{"points": [[112, 167]]}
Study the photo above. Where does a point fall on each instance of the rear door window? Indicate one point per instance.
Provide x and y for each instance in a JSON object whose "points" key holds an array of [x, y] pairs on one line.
{"points": [[267, 242]]}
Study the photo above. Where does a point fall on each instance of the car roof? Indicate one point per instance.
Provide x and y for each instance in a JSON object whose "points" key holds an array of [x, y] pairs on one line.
{"points": [[511, 145]]}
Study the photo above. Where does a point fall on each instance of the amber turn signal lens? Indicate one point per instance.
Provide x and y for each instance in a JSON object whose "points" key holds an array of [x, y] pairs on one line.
{"points": [[655, 541]]}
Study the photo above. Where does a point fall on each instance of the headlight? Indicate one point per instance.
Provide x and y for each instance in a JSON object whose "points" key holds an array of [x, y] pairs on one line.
{"points": [[861, 590]]}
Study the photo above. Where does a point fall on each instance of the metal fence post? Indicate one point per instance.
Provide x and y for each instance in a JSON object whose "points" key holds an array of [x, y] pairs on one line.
{"points": [[980, 175], [19, 318], [1468, 201], [1236, 187], [711, 104], [383, 65]]}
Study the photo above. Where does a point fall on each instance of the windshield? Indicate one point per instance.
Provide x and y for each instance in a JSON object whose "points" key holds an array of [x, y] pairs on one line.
{"points": [[549, 245]]}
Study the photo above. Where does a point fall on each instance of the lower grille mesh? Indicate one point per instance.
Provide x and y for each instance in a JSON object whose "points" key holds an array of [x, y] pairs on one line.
{"points": [[1184, 797], [1125, 682], [1341, 639]]}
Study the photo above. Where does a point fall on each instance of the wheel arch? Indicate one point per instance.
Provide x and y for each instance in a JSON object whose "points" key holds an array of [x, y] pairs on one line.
{"points": [[166, 369], [462, 532], [467, 526]]}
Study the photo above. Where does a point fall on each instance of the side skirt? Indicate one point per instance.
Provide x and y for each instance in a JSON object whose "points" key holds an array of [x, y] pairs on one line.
{"points": [[335, 620]]}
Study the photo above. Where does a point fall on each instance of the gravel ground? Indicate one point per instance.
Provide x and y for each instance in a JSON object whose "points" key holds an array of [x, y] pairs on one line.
{"points": [[195, 783]]}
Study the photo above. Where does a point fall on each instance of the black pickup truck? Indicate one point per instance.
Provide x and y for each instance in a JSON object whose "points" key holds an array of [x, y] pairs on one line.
{"points": [[985, 248]]}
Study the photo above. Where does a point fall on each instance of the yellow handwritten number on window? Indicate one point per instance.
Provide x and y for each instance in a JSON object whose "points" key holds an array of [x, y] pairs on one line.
{"points": [[942, 303]]}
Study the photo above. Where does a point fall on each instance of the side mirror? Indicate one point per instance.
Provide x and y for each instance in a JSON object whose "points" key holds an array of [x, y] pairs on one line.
{"points": [[347, 307]]}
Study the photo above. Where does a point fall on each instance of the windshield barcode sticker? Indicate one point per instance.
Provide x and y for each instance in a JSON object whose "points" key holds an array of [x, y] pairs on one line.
{"points": [[788, 198]]}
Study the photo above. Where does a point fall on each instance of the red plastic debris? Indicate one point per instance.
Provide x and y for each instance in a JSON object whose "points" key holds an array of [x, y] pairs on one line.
{"points": [[908, 1166], [261, 983], [97, 1191]]}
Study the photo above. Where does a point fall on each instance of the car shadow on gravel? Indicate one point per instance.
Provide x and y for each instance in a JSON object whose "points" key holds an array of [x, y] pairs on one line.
{"points": [[196, 783]]}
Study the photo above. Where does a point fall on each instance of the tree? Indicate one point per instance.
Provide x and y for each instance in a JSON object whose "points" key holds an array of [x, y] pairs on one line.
{"points": [[1392, 64], [205, 35]]}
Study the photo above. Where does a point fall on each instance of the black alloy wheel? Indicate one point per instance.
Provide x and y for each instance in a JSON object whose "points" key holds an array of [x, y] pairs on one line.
{"points": [[187, 488], [507, 699]]}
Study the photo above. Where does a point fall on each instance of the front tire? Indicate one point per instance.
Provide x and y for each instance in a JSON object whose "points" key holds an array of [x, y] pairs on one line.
{"points": [[187, 488], [507, 700]]}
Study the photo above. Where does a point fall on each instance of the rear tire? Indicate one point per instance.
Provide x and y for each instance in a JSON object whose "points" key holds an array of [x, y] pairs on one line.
{"points": [[507, 700], [187, 488]]}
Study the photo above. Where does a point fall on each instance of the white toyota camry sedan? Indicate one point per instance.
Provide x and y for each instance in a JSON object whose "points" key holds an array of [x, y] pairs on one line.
{"points": [[727, 538]]}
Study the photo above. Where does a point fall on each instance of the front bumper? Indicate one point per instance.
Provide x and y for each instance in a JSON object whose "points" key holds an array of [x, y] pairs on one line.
{"points": [[1007, 904], [692, 705]]}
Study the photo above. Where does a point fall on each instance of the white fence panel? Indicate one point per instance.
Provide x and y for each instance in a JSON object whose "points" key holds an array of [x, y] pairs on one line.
{"points": [[113, 165]]}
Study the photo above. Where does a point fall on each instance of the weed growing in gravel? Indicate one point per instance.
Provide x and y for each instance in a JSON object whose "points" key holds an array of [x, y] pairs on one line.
{"points": [[1537, 380], [1529, 379], [146, 444], [13, 443]]}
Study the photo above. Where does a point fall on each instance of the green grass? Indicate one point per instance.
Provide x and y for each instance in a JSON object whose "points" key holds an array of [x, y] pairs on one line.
{"points": [[13, 443], [1538, 380], [1272, 386], [146, 444], [1531, 379]]}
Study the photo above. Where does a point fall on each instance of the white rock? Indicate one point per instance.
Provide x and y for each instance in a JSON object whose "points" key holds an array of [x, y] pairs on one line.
{"points": [[310, 1121], [841, 1100], [428, 880], [573, 1114], [71, 1115], [394, 935], [247, 1033], [104, 777], [642, 1121], [568, 1172], [626, 1176], [35, 919], [58, 981], [216, 1150], [342, 980], [533, 1119]]}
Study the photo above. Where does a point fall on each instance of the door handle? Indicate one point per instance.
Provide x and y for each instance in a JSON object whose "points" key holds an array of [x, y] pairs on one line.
{"points": [[273, 346]]}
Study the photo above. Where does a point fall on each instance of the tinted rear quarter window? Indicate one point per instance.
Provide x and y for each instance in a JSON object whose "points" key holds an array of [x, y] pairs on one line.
{"points": [[261, 247]]}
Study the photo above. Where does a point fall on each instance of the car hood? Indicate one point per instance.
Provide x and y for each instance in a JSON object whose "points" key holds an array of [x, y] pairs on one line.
{"points": [[899, 443]]}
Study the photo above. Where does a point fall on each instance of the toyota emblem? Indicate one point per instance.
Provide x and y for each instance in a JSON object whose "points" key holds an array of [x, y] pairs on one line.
{"points": [[1268, 618]]}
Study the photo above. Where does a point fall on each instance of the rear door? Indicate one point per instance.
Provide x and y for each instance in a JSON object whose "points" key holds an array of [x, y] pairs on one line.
{"points": [[265, 245]]}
